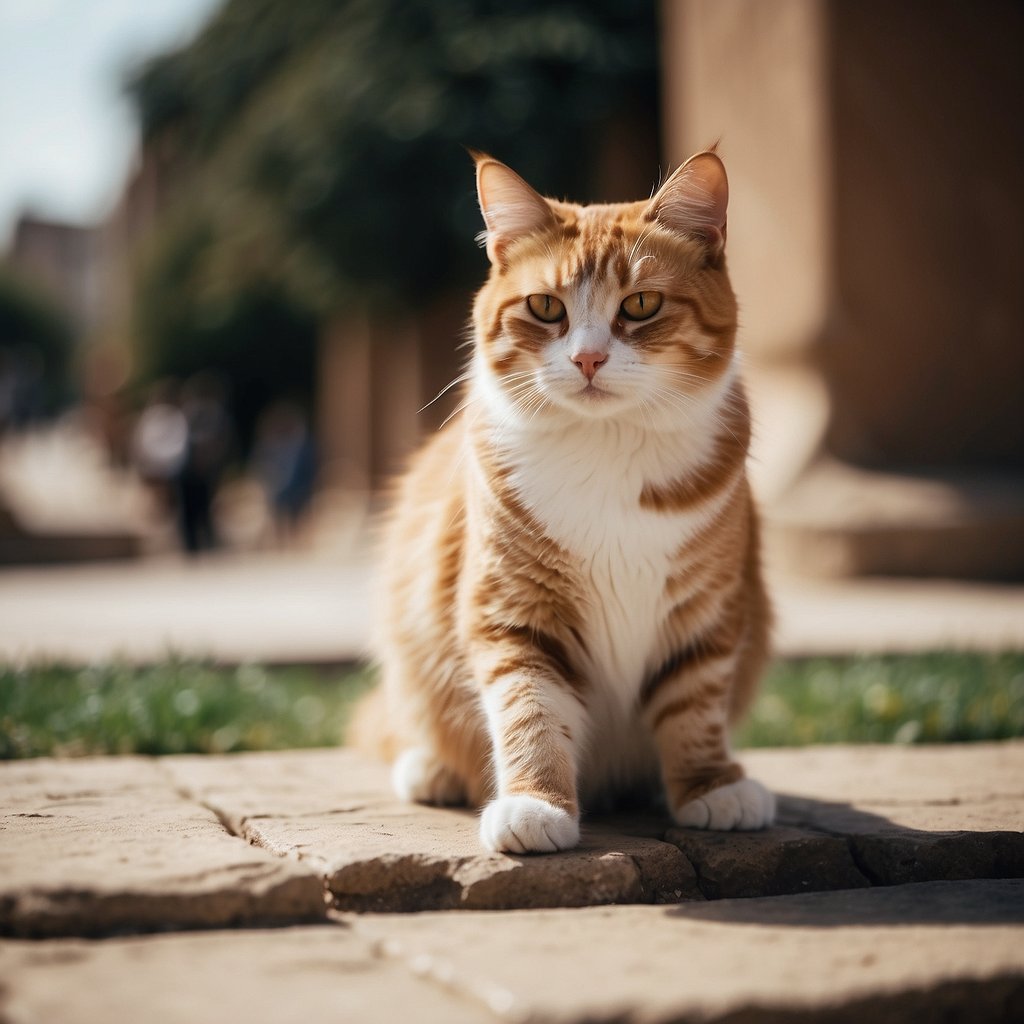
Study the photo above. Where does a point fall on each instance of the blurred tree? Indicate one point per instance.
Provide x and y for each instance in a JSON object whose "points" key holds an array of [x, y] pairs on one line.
{"points": [[35, 351], [322, 146], [260, 342]]}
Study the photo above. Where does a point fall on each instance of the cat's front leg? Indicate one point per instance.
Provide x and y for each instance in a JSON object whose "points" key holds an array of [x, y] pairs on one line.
{"points": [[687, 708], [536, 717]]}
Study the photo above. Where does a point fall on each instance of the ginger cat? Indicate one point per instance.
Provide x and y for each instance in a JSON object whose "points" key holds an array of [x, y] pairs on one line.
{"points": [[573, 599]]}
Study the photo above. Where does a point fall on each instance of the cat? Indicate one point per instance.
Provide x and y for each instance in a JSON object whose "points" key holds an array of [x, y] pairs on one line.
{"points": [[573, 605]]}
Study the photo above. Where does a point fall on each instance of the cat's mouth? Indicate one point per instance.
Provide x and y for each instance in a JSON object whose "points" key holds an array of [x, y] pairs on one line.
{"points": [[592, 393]]}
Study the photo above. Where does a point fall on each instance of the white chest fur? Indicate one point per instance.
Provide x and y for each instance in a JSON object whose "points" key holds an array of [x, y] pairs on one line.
{"points": [[583, 484]]}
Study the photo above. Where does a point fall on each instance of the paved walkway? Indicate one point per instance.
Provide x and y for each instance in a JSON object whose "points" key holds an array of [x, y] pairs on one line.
{"points": [[315, 608], [277, 887], [891, 889], [304, 608]]}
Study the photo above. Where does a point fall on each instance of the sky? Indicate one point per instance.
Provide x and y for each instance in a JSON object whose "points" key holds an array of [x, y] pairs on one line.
{"points": [[67, 133]]}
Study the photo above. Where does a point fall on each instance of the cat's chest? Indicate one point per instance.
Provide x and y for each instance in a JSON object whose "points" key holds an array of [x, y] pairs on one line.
{"points": [[584, 490]]}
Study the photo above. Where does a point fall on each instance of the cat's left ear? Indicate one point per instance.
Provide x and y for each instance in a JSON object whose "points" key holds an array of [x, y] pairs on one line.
{"points": [[511, 208], [694, 201]]}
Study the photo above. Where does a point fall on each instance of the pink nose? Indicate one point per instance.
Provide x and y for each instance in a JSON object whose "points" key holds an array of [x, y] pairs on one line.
{"points": [[589, 362]]}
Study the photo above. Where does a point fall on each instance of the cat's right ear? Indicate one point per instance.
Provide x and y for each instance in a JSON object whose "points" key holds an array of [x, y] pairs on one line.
{"points": [[511, 208]]}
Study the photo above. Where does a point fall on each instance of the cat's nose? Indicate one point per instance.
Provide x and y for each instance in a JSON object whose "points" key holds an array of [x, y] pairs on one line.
{"points": [[589, 362]]}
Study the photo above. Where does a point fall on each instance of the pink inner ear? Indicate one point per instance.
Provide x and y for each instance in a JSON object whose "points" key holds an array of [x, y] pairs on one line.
{"points": [[511, 208], [695, 199]]}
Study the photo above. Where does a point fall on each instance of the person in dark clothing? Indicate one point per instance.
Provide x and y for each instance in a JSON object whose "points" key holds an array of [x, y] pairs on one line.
{"points": [[286, 463], [210, 437]]}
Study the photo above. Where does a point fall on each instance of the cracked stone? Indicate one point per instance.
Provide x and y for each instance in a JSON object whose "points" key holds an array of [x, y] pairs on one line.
{"points": [[394, 858], [334, 811], [103, 845], [771, 863], [378, 854], [897, 859], [279, 784], [95, 847]]}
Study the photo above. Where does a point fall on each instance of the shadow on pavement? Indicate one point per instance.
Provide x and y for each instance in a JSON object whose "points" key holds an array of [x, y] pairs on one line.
{"points": [[977, 902]]}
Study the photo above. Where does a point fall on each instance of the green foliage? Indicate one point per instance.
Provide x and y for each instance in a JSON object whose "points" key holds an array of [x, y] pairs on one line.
{"points": [[321, 143], [33, 327], [175, 708], [926, 698], [202, 88], [326, 138], [257, 339]]}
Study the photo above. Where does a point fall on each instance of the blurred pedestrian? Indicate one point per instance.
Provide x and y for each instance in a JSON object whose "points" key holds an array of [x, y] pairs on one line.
{"points": [[284, 458], [159, 443], [21, 387], [210, 441]]}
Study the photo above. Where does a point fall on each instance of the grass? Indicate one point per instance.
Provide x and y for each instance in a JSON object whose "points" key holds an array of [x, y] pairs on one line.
{"points": [[174, 708], [920, 698], [188, 707]]}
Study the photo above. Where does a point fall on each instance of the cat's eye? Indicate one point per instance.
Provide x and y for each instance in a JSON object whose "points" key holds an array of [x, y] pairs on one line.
{"points": [[641, 305], [546, 308]]}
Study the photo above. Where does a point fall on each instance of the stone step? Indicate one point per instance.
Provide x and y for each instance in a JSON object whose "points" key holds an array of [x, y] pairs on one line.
{"points": [[101, 846], [930, 951], [838, 520]]}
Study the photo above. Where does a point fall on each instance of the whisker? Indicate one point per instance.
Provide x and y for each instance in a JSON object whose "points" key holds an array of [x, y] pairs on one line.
{"points": [[462, 406], [641, 238], [462, 378]]}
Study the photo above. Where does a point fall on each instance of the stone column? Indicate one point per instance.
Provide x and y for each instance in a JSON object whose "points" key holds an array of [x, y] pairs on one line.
{"points": [[876, 241], [343, 401], [395, 397], [443, 332]]}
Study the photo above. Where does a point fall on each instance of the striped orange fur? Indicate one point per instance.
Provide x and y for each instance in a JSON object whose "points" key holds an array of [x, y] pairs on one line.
{"points": [[573, 606]]}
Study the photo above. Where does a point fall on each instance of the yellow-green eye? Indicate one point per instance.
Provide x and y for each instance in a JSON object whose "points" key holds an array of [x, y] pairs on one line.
{"points": [[641, 305], [546, 308]]}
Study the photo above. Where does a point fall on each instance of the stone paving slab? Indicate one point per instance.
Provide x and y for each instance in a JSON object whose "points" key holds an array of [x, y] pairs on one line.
{"points": [[849, 817], [105, 845], [932, 951], [892, 775], [906, 814], [335, 811], [302, 975]]}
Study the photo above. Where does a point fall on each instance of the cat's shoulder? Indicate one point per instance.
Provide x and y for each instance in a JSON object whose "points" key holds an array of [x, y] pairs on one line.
{"points": [[438, 454]]}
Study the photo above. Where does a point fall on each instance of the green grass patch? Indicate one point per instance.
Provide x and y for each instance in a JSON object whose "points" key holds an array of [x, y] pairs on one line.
{"points": [[173, 708], [189, 707], [920, 698]]}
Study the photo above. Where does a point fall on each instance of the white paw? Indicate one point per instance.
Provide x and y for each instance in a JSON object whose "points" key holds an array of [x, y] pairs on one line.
{"points": [[418, 777], [745, 804], [527, 824]]}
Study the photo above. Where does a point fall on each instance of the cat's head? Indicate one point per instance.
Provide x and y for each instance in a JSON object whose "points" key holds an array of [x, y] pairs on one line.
{"points": [[622, 310]]}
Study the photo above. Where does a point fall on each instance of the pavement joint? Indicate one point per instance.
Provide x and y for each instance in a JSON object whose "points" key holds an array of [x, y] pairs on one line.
{"points": [[328, 818], [189, 867], [870, 877]]}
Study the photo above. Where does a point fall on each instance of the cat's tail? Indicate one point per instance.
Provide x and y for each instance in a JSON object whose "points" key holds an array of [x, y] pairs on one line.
{"points": [[369, 729]]}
